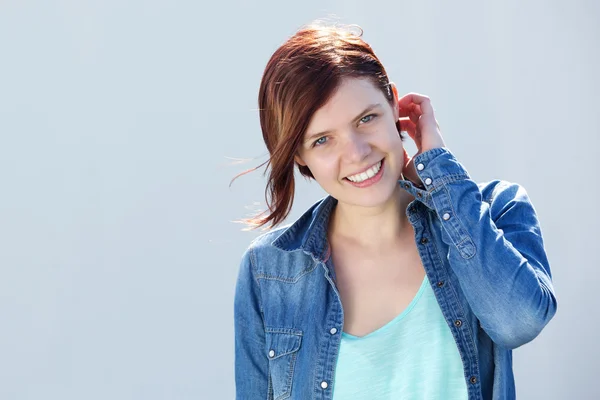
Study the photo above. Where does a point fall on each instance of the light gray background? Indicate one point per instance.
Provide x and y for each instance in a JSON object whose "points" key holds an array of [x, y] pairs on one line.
{"points": [[118, 259]]}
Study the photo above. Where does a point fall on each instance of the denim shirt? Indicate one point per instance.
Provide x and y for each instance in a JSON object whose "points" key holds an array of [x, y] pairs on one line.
{"points": [[480, 245]]}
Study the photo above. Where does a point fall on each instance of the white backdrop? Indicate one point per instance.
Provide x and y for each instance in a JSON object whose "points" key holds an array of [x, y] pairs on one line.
{"points": [[118, 259]]}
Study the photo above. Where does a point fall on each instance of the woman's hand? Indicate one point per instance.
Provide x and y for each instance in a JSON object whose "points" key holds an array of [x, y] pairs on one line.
{"points": [[417, 118]]}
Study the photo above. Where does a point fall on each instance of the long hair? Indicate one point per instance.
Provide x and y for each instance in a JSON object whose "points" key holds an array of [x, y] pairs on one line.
{"points": [[299, 78]]}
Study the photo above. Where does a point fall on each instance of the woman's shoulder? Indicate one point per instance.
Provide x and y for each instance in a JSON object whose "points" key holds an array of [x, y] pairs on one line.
{"points": [[508, 200], [501, 191], [268, 260], [262, 246], [291, 236], [265, 240]]}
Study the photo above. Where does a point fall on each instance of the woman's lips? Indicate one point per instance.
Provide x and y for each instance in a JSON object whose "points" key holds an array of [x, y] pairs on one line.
{"points": [[371, 181]]}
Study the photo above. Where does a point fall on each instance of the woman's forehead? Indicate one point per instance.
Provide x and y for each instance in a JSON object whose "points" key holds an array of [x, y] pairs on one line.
{"points": [[352, 96]]}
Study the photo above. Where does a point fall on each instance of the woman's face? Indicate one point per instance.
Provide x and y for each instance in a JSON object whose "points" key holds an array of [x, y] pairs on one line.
{"points": [[355, 132]]}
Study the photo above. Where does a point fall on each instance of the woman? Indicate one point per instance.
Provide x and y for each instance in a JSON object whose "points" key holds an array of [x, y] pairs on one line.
{"points": [[409, 280]]}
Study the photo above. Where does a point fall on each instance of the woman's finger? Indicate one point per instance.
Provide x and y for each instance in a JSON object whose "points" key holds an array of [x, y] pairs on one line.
{"points": [[404, 111], [417, 110], [408, 126], [413, 113], [422, 101]]}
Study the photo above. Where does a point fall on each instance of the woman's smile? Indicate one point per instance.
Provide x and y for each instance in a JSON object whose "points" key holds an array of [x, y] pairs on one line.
{"points": [[369, 177]]}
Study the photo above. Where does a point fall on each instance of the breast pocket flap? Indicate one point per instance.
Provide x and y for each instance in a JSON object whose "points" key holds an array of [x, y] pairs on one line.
{"points": [[282, 351], [281, 342]]}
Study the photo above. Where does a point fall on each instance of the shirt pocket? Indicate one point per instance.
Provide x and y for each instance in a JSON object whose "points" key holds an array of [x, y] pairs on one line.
{"points": [[282, 350]]}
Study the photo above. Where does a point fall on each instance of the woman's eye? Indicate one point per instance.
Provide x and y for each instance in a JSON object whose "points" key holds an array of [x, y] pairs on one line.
{"points": [[367, 118], [319, 141]]}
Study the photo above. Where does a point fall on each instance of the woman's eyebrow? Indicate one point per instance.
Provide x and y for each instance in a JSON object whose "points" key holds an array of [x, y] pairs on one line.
{"points": [[370, 107], [366, 110]]}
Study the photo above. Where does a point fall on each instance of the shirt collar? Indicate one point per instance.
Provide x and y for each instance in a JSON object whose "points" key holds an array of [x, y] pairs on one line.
{"points": [[309, 232]]}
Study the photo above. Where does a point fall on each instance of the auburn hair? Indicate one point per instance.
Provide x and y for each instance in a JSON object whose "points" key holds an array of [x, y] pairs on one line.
{"points": [[300, 77]]}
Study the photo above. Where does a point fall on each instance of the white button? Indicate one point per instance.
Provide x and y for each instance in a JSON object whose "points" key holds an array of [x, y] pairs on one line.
{"points": [[324, 385], [333, 331], [272, 353], [446, 216], [428, 181], [420, 167]]}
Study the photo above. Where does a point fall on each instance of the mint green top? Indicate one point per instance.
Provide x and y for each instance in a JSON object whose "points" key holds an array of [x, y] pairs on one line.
{"points": [[414, 356]]}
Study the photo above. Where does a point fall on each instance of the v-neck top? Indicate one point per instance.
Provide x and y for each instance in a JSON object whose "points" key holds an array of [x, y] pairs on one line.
{"points": [[414, 356]]}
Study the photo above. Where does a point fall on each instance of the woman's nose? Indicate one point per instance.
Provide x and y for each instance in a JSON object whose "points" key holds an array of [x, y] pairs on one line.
{"points": [[356, 148]]}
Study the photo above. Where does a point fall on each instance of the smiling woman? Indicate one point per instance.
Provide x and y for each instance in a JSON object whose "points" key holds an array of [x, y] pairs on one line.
{"points": [[409, 280], [362, 145], [298, 80]]}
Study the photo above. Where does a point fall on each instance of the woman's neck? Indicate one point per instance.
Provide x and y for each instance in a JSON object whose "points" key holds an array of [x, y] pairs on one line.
{"points": [[372, 227]]}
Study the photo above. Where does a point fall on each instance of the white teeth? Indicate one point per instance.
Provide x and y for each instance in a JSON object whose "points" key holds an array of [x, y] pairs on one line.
{"points": [[371, 172]]}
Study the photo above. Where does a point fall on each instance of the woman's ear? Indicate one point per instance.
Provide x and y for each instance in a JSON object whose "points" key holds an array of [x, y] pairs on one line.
{"points": [[395, 100]]}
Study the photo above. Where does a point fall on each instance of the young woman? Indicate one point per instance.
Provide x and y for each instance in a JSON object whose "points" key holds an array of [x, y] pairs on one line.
{"points": [[409, 280]]}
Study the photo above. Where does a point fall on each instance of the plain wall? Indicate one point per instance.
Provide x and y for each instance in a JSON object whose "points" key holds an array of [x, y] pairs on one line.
{"points": [[119, 123]]}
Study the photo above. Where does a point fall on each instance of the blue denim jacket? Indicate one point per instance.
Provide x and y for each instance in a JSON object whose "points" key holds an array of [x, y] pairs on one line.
{"points": [[481, 247]]}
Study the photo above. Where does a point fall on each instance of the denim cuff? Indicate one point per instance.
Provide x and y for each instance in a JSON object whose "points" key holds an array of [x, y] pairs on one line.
{"points": [[437, 167]]}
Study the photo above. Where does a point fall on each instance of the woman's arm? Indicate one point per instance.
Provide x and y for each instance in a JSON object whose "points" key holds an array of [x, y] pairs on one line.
{"points": [[496, 248], [251, 364]]}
